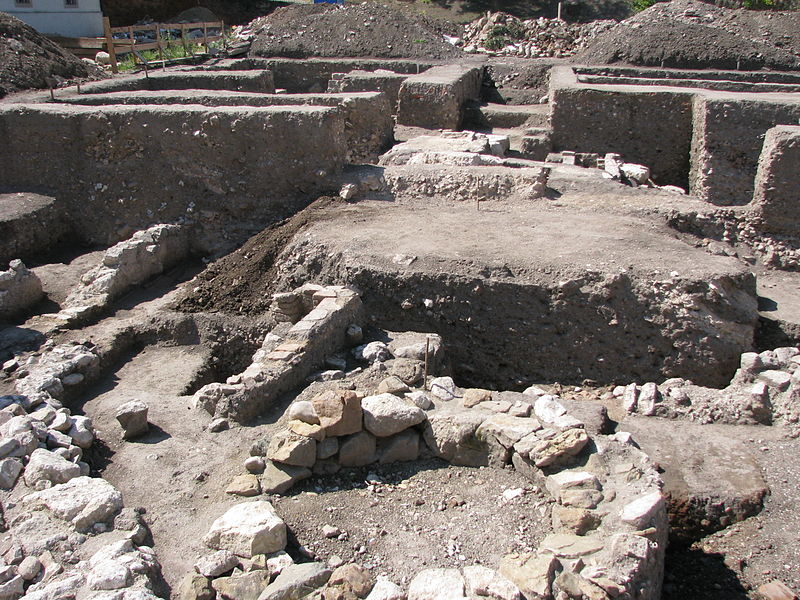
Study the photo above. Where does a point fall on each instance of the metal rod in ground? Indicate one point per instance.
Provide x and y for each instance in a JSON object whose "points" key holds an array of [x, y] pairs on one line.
{"points": [[425, 376], [52, 95], [559, 10]]}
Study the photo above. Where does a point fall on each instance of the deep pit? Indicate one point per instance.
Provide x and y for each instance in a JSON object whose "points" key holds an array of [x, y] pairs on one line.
{"points": [[346, 328]]}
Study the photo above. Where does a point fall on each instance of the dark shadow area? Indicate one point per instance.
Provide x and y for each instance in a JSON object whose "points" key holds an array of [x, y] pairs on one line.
{"points": [[15, 340], [693, 573], [98, 457], [154, 436], [772, 333], [767, 304]]}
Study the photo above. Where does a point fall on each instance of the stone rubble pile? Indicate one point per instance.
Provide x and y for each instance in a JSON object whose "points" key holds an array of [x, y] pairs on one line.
{"points": [[764, 390], [20, 289], [52, 506], [127, 264], [503, 34]]}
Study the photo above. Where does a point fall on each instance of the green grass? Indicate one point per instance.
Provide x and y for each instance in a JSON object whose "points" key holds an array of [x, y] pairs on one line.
{"points": [[130, 61]]}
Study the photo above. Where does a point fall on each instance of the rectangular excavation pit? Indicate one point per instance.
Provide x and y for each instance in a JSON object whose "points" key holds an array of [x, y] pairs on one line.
{"points": [[703, 139], [126, 167]]}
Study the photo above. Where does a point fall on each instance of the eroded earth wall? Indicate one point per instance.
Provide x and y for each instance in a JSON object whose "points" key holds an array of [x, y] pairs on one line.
{"points": [[122, 168]]}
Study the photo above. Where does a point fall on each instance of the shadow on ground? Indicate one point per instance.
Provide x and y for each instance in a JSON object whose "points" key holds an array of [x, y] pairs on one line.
{"points": [[693, 573]]}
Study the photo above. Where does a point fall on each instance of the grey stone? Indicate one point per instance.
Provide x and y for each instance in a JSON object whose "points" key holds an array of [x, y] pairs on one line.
{"points": [[386, 414], [132, 417], [296, 581], [247, 529], [83, 501], [437, 584], [241, 586], [303, 411], [29, 568], [44, 465], [10, 468], [195, 587], [399, 448], [357, 450], [443, 388], [480, 581], [392, 385], [292, 449], [384, 589], [278, 478]]}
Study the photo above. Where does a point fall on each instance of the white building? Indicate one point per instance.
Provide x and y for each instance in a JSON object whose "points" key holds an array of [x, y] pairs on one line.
{"points": [[68, 18]]}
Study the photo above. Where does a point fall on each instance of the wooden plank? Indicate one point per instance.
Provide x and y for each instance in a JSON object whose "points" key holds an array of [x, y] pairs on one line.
{"points": [[110, 43]]}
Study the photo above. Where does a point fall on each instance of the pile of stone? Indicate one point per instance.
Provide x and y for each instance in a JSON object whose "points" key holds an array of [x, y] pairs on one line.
{"points": [[250, 564], [127, 264], [503, 34], [57, 507], [20, 289], [764, 390]]}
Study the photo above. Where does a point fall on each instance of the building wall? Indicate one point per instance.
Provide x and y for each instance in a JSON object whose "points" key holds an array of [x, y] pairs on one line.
{"points": [[55, 17]]}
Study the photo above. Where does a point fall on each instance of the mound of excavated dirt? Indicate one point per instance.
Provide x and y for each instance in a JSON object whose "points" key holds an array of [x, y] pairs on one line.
{"points": [[693, 35], [27, 58], [243, 282], [364, 30]]}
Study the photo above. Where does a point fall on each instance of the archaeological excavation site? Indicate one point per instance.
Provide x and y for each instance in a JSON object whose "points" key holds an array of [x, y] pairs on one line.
{"points": [[366, 305]]}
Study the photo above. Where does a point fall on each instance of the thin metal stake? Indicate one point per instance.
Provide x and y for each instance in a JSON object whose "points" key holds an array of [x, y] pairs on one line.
{"points": [[427, 350]]}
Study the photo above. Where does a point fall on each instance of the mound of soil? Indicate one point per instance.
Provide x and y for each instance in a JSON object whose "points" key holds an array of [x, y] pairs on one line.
{"points": [[363, 30], [693, 35], [28, 59], [243, 281], [197, 14]]}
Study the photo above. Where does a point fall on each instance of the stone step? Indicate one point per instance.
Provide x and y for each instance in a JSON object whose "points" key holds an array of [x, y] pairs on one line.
{"points": [[507, 115]]}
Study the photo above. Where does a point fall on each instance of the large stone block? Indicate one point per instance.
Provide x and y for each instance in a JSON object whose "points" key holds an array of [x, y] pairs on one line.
{"points": [[435, 99], [776, 199], [248, 529]]}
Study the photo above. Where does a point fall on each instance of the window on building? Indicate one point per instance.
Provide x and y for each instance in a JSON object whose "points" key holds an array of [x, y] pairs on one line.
{"points": [[23, 3], [71, 3]]}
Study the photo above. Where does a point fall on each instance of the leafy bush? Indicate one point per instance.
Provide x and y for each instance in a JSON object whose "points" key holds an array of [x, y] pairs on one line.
{"points": [[501, 36]]}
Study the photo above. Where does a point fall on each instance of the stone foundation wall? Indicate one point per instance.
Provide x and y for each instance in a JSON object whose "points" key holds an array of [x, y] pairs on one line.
{"points": [[649, 128]]}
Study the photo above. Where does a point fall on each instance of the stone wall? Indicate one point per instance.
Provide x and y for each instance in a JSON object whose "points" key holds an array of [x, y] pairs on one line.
{"points": [[289, 354], [435, 99], [118, 169], [727, 141]]}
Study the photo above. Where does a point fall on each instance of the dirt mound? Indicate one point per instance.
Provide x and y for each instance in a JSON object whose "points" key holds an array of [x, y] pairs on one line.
{"points": [[27, 58], [694, 35], [198, 14], [242, 282], [365, 30]]}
